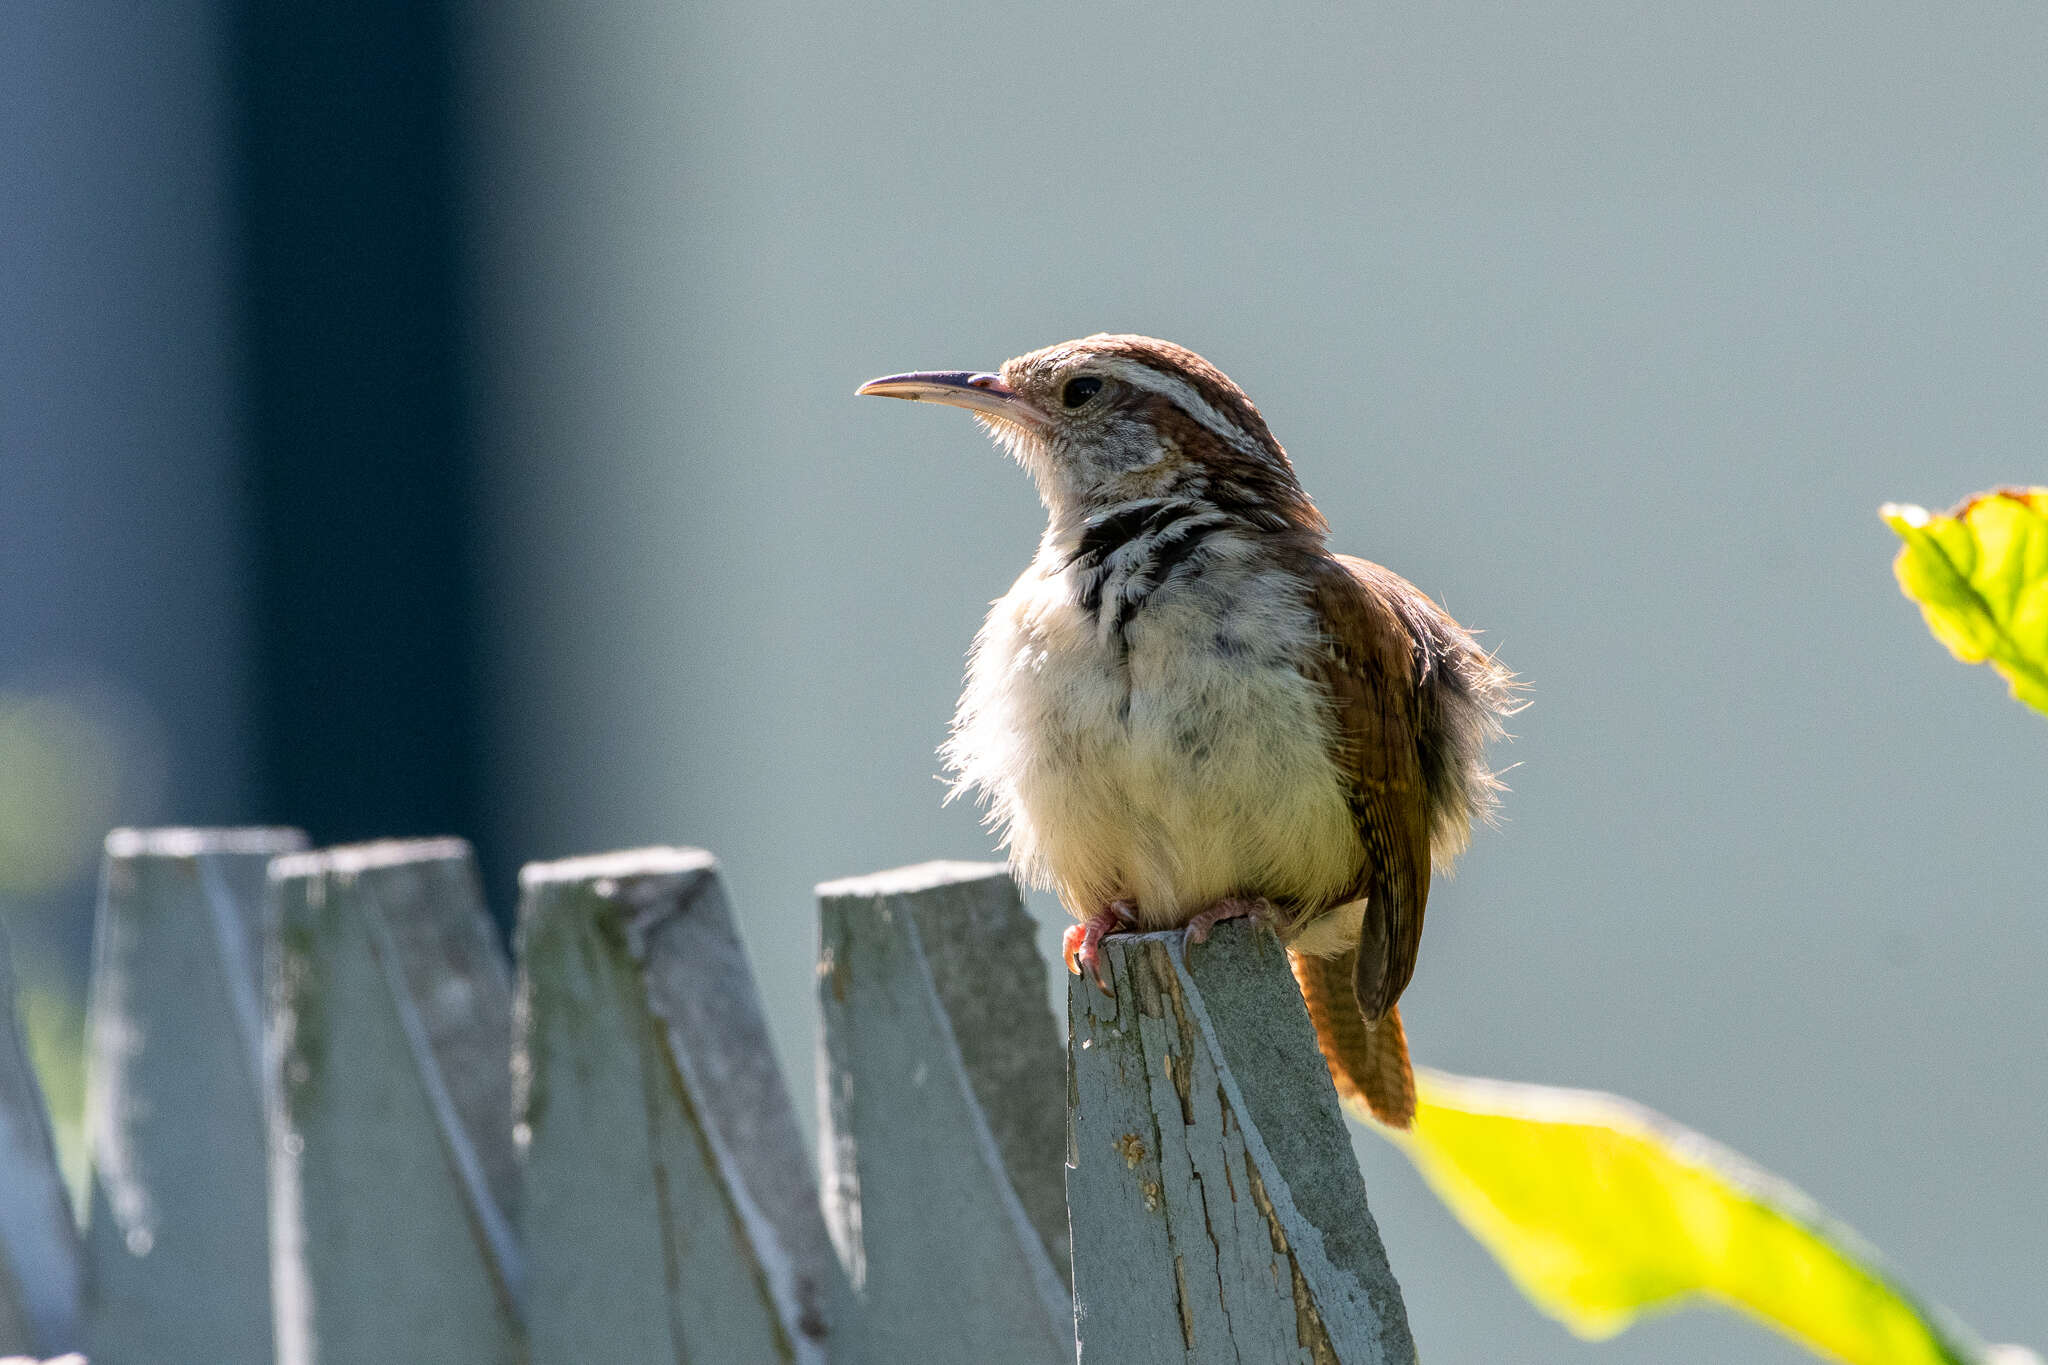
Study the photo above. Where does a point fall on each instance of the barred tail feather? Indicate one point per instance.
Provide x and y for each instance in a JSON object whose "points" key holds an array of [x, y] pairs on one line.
{"points": [[1368, 1063]]}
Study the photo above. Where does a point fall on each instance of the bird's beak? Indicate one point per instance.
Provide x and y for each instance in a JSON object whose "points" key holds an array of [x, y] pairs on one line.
{"points": [[984, 393]]}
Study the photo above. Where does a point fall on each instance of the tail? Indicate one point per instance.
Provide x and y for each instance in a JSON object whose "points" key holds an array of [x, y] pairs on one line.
{"points": [[1369, 1063]]}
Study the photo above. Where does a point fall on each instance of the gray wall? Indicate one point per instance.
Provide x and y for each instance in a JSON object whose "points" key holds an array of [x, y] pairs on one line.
{"points": [[1610, 327], [120, 545]]}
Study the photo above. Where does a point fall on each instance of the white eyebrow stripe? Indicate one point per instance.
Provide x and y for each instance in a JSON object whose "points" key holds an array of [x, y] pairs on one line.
{"points": [[1183, 395]]}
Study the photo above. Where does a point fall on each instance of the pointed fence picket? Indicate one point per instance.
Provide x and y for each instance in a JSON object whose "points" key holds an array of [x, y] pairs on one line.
{"points": [[669, 1205], [176, 1261], [1206, 1139], [392, 1176], [939, 1127], [337, 1115], [39, 1271]]}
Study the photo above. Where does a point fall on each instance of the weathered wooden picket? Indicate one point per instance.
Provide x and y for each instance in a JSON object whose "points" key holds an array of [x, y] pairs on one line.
{"points": [[328, 1124]]}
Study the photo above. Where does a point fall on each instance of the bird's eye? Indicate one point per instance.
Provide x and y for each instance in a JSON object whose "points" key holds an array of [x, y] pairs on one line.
{"points": [[1079, 391]]}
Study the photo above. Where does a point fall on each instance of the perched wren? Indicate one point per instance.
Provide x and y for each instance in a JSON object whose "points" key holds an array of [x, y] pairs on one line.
{"points": [[1188, 709]]}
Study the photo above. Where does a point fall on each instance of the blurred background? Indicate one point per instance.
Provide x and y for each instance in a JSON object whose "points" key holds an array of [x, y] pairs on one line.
{"points": [[424, 416]]}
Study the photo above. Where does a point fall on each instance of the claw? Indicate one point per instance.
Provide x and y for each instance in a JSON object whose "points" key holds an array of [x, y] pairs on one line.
{"points": [[1081, 946], [1236, 907]]}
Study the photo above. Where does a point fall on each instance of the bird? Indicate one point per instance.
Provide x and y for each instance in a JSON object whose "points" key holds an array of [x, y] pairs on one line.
{"points": [[1189, 709]]}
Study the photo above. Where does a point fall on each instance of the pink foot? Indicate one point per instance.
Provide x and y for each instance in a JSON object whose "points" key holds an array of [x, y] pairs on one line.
{"points": [[1082, 945], [1236, 907]]}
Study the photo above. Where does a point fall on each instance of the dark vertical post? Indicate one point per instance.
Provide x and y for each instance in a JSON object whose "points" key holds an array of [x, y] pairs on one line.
{"points": [[358, 441]]}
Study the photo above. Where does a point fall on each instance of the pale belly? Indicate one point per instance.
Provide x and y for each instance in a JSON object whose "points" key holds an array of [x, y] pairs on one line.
{"points": [[1190, 766]]}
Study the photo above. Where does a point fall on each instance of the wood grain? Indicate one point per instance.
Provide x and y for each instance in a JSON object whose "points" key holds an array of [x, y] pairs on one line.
{"points": [[670, 1209], [1218, 1211], [393, 1181], [176, 1248], [940, 1138]]}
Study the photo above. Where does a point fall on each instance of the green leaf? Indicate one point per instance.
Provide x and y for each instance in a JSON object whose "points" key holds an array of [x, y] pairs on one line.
{"points": [[1980, 575], [53, 1028], [1601, 1210]]}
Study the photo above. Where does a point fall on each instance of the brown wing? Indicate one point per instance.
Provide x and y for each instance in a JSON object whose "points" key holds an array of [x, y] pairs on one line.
{"points": [[1368, 669]]}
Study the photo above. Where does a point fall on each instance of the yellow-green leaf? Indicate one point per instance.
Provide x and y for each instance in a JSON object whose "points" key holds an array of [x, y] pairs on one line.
{"points": [[1980, 575], [1601, 1210]]}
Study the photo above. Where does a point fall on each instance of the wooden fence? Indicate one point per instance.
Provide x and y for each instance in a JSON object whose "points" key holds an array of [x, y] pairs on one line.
{"points": [[329, 1124]]}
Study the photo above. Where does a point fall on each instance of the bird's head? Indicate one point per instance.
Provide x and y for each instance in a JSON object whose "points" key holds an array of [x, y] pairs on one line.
{"points": [[1112, 418]]}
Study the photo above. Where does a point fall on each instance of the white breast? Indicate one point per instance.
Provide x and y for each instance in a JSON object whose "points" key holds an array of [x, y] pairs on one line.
{"points": [[1187, 763]]}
